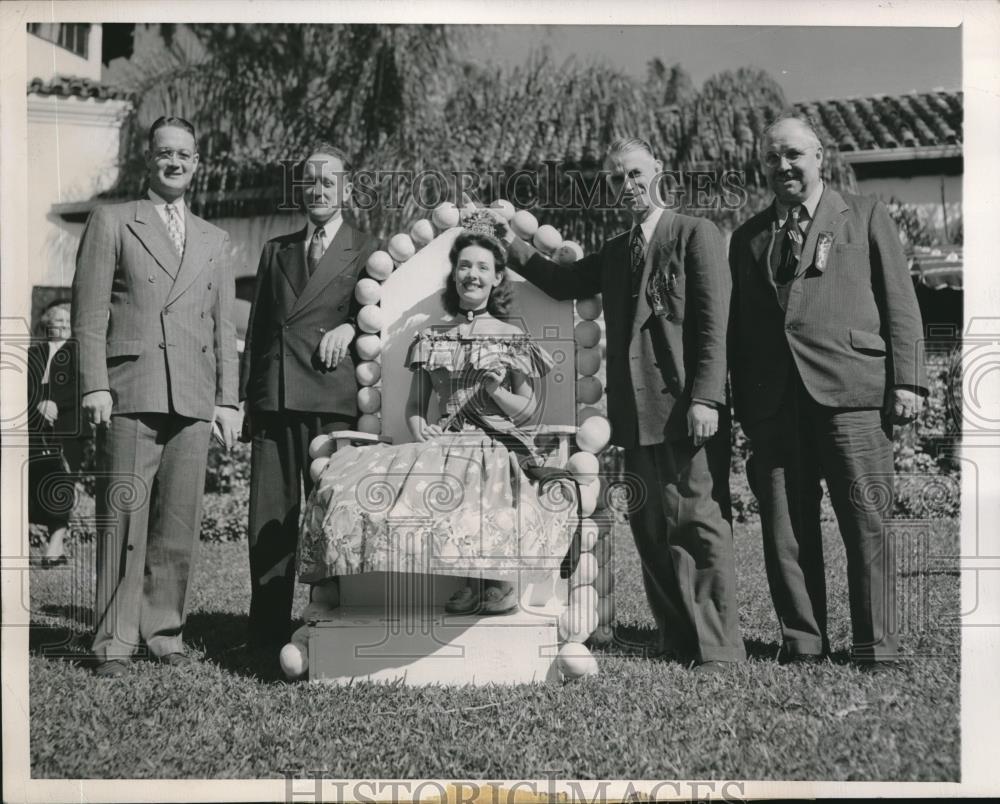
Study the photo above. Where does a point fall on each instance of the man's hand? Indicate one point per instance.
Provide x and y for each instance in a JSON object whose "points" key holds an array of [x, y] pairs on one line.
{"points": [[903, 406], [702, 421], [48, 410], [335, 344], [504, 232], [96, 407], [226, 425]]}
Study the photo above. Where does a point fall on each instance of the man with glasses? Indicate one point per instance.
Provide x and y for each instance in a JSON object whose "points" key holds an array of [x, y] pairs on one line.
{"points": [[824, 354], [152, 311]]}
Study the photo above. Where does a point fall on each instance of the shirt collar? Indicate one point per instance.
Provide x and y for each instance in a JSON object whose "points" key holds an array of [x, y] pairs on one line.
{"points": [[809, 207], [159, 202], [330, 228], [648, 226]]}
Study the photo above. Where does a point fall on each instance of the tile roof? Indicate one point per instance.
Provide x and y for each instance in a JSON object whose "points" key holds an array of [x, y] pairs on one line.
{"points": [[71, 86], [914, 120]]}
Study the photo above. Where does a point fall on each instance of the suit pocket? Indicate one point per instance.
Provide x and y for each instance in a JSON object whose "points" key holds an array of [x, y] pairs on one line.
{"points": [[126, 348], [868, 343]]}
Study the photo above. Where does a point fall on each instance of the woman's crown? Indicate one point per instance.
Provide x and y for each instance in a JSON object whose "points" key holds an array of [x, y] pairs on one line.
{"points": [[480, 221]]}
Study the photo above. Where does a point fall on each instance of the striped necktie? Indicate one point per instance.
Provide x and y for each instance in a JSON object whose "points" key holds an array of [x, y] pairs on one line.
{"points": [[637, 252], [174, 229], [785, 258], [315, 249]]}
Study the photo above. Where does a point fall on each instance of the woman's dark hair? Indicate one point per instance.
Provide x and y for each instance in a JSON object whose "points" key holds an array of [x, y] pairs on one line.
{"points": [[500, 297]]}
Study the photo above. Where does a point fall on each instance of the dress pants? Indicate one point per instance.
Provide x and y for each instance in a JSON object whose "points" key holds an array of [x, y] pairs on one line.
{"points": [[683, 533], [851, 449], [279, 474], [149, 490]]}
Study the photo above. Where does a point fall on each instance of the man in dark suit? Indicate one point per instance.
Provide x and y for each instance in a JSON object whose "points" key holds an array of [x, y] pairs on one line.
{"points": [[297, 377], [825, 357], [665, 288], [152, 313]]}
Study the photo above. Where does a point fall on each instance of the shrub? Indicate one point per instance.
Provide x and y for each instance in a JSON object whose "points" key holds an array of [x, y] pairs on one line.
{"points": [[227, 471], [224, 517]]}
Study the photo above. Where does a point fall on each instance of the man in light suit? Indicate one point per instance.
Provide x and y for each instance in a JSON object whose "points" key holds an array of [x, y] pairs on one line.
{"points": [[665, 288], [152, 311], [297, 377], [825, 356]]}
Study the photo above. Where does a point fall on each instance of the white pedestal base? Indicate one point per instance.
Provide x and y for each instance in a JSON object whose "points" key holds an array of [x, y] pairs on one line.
{"points": [[391, 628]]}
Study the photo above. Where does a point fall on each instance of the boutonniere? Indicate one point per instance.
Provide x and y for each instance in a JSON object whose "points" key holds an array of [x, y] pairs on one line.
{"points": [[823, 249], [660, 283]]}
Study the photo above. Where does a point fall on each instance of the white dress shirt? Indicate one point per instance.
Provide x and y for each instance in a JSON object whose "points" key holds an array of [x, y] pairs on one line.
{"points": [[160, 205], [330, 229], [648, 226], [807, 210]]}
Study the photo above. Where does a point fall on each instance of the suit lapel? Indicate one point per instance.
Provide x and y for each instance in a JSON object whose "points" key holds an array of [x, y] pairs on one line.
{"points": [[658, 254], [829, 218], [339, 254], [292, 262], [760, 250], [152, 233], [196, 247]]}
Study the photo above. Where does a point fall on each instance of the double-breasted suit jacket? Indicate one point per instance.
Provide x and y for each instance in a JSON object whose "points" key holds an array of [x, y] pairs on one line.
{"points": [[290, 314], [155, 329]]}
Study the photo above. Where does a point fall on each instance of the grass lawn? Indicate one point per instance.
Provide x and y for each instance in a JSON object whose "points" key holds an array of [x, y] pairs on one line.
{"points": [[232, 717]]}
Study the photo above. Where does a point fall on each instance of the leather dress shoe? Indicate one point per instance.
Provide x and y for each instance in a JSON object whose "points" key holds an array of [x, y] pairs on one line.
{"points": [[880, 667], [800, 658], [111, 668], [711, 668], [176, 659]]}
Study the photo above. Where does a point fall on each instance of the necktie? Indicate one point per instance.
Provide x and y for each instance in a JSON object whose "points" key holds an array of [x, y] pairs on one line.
{"points": [[174, 229], [637, 252], [315, 249], [785, 258]]}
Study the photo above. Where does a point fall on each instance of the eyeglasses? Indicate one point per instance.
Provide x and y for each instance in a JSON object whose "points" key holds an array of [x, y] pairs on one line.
{"points": [[773, 159], [165, 154]]}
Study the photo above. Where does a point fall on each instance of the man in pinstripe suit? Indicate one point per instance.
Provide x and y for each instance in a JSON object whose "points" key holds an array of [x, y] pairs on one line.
{"points": [[152, 309]]}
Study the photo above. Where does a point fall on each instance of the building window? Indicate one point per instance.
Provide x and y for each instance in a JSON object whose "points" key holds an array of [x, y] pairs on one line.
{"points": [[74, 36]]}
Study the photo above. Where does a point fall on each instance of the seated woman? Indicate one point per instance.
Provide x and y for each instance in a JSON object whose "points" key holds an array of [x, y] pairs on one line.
{"points": [[458, 500]]}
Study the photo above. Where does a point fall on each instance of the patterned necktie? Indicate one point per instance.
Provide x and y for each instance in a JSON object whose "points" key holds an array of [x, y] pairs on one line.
{"points": [[637, 251], [174, 229], [315, 249], [785, 260]]}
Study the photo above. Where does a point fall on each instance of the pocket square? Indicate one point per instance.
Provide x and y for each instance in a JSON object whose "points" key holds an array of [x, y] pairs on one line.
{"points": [[823, 245]]}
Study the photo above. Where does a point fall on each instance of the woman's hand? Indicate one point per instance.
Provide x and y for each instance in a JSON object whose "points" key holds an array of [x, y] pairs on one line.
{"points": [[422, 431], [492, 379]]}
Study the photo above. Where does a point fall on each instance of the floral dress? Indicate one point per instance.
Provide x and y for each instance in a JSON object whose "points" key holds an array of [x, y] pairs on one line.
{"points": [[456, 504]]}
